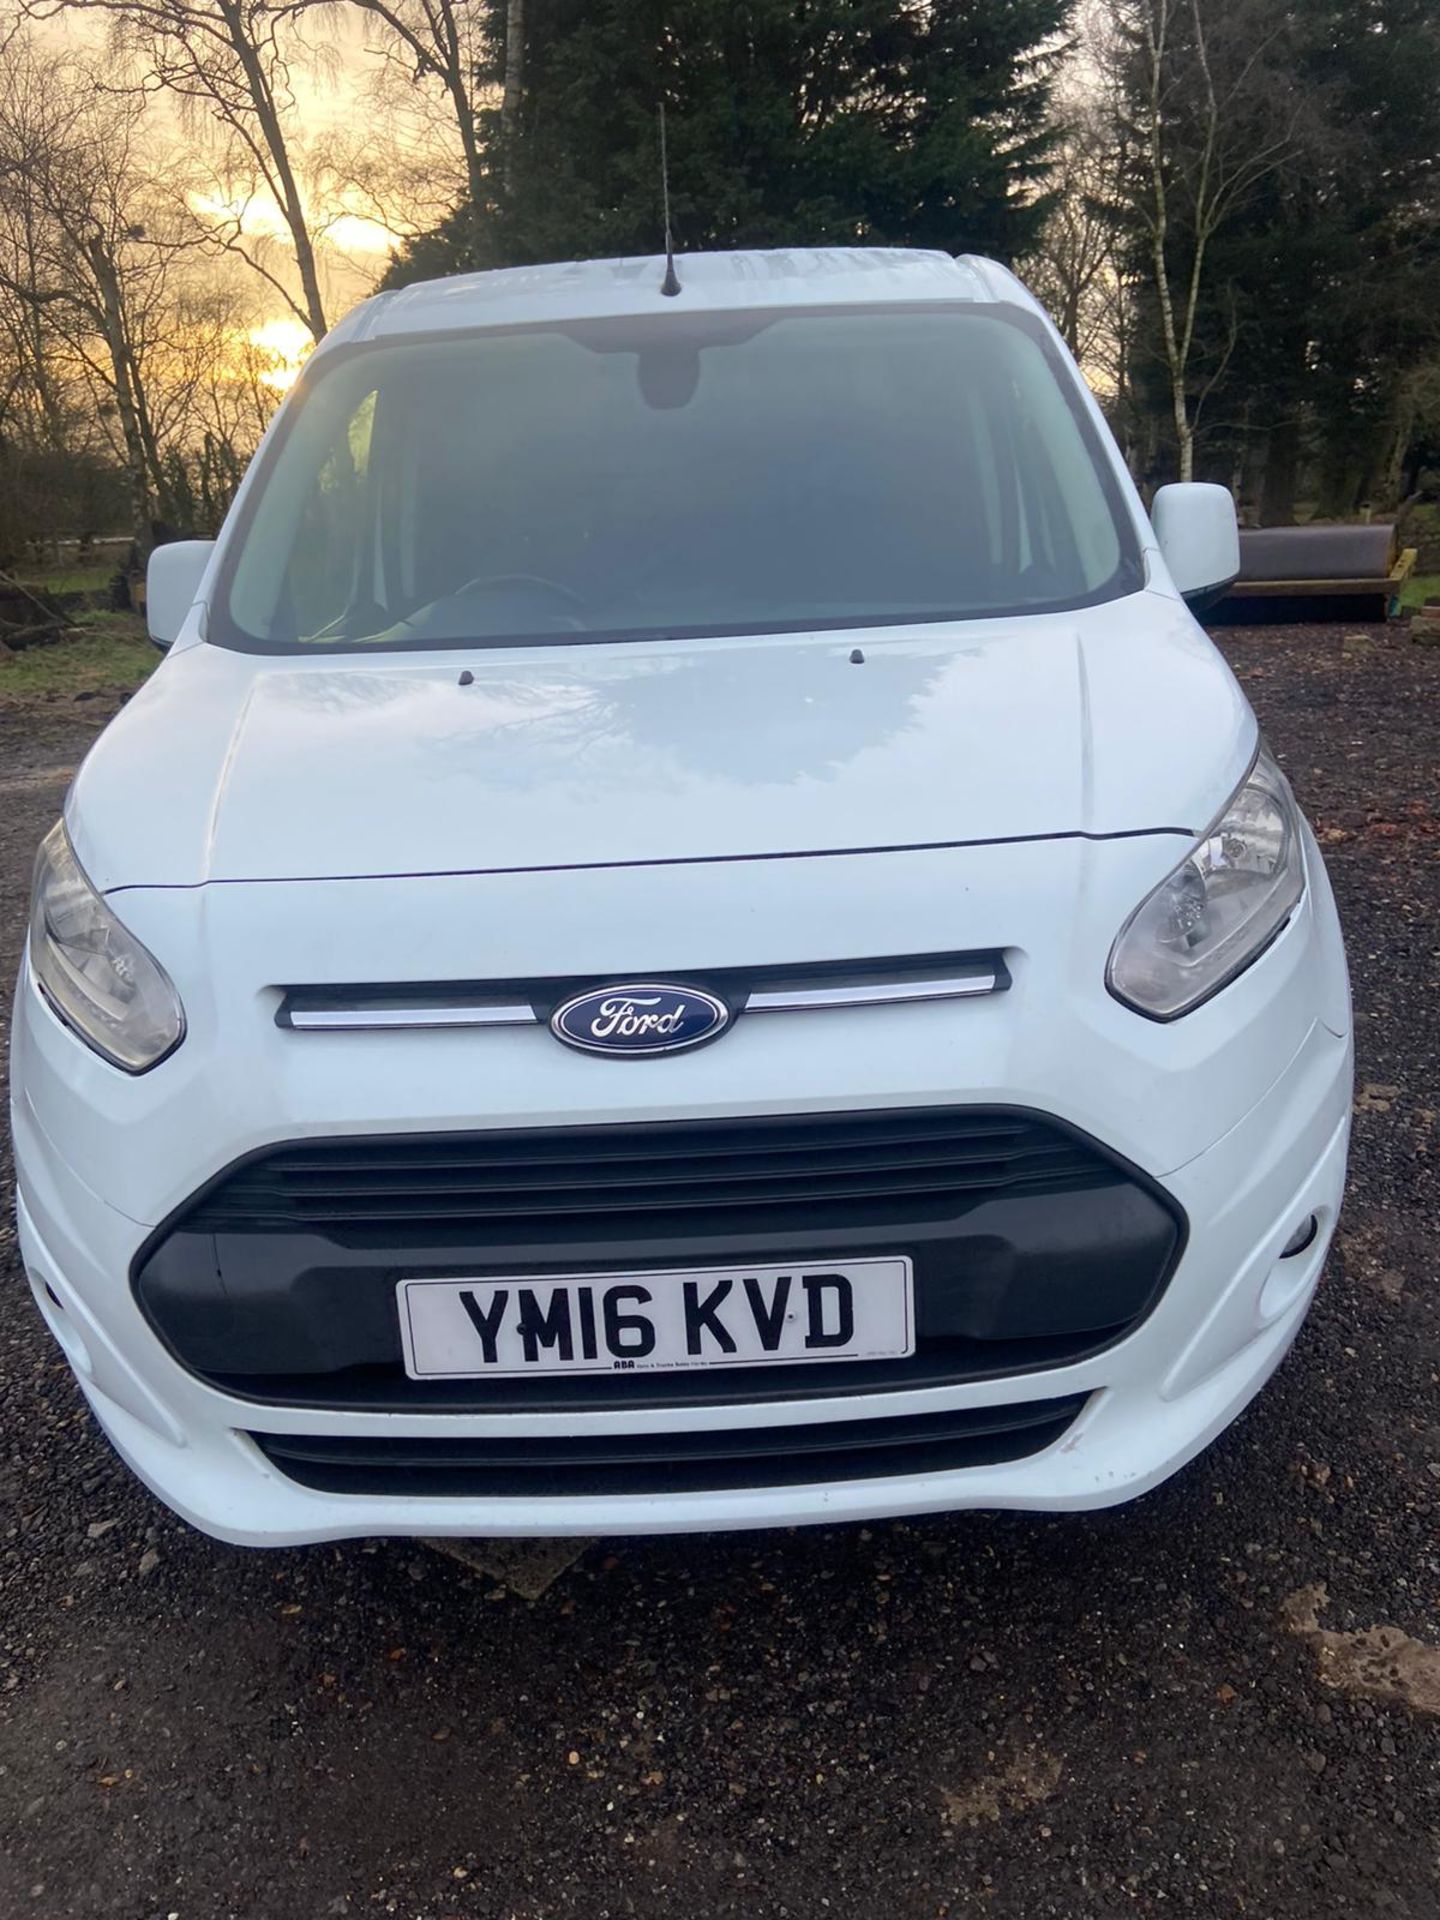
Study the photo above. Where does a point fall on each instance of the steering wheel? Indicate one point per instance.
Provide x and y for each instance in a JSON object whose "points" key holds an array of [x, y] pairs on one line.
{"points": [[494, 582]]}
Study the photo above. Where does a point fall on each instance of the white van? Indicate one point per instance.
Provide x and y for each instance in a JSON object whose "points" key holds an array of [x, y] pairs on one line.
{"points": [[691, 935]]}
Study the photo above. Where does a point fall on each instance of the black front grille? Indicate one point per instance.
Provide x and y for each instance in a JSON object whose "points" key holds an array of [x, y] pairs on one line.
{"points": [[1032, 1247], [697, 1174], [650, 1463]]}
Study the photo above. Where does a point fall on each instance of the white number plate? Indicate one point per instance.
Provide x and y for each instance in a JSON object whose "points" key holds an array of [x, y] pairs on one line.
{"points": [[638, 1322]]}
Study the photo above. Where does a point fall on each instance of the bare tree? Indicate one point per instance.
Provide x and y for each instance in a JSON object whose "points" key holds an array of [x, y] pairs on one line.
{"points": [[228, 61], [441, 42], [1214, 113], [65, 185], [403, 187], [123, 329], [1077, 266], [40, 410]]}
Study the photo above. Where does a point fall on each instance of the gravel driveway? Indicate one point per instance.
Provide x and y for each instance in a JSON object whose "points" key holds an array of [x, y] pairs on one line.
{"points": [[1221, 1700]]}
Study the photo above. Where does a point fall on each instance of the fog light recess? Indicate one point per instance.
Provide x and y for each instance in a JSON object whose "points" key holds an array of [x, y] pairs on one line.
{"points": [[1302, 1237], [61, 1323]]}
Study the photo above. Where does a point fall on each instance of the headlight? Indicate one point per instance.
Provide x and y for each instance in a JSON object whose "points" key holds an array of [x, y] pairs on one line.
{"points": [[97, 977], [1217, 911]]}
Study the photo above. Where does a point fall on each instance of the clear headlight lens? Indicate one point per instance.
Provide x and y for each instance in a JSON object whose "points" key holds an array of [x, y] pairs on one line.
{"points": [[1228, 897], [96, 975]]}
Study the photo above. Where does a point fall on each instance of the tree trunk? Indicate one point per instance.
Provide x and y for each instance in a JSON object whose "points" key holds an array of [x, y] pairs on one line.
{"points": [[1185, 434], [293, 209], [36, 342], [112, 319], [287, 190], [455, 71], [1393, 486], [1282, 468], [1174, 350], [1342, 472], [513, 93], [166, 505], [469, 145]]}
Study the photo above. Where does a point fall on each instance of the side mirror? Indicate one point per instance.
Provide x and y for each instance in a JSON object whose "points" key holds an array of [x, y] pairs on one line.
{"points": [[172, 579], [1197, 532]]}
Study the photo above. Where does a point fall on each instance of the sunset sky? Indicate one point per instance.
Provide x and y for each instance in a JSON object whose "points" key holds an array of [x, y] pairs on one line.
{"points": [[333, 107], [331, 100]]}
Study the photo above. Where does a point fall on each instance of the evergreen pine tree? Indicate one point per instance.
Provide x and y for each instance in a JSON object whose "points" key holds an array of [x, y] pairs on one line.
{"points": [[791, 122]]}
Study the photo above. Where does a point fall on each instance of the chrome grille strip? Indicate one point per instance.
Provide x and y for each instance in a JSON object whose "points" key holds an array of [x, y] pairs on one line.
{"points": [[372, 1010], [380, 1019], [880, 994]]}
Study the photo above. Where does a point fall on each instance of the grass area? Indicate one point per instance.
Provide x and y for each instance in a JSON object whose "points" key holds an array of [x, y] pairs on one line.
{"points": [[106, 653], [87, 576], [1419, 588]]}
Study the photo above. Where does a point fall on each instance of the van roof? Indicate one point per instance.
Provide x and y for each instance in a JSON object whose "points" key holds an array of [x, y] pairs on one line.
{"points": [[710, 282]]}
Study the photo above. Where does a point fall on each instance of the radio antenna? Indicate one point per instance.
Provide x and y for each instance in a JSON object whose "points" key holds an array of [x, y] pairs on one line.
{"points": [[670, 285]]}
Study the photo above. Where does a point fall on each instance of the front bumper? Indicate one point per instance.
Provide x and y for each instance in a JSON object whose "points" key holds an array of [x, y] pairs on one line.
{"points": [[1152, 1402]]}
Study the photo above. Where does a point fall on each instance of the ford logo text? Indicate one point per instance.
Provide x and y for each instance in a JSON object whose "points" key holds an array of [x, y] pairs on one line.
{"points": [[645, 1019]]}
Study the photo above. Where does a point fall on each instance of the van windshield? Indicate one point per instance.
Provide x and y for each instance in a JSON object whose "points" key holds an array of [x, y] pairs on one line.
{"points": [[676, 475]]}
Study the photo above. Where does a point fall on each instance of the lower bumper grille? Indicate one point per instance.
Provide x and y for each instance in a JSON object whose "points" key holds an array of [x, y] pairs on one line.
{"points": [[582, 1183], [1032, 1247], [650, 1463]]}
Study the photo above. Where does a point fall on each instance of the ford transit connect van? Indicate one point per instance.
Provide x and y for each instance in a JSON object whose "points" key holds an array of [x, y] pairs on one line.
{"points": [[690, 935]]}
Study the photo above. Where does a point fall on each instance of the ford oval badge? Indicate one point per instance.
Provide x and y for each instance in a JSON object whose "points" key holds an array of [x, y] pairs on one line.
{"points": [[645, 1019]]}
